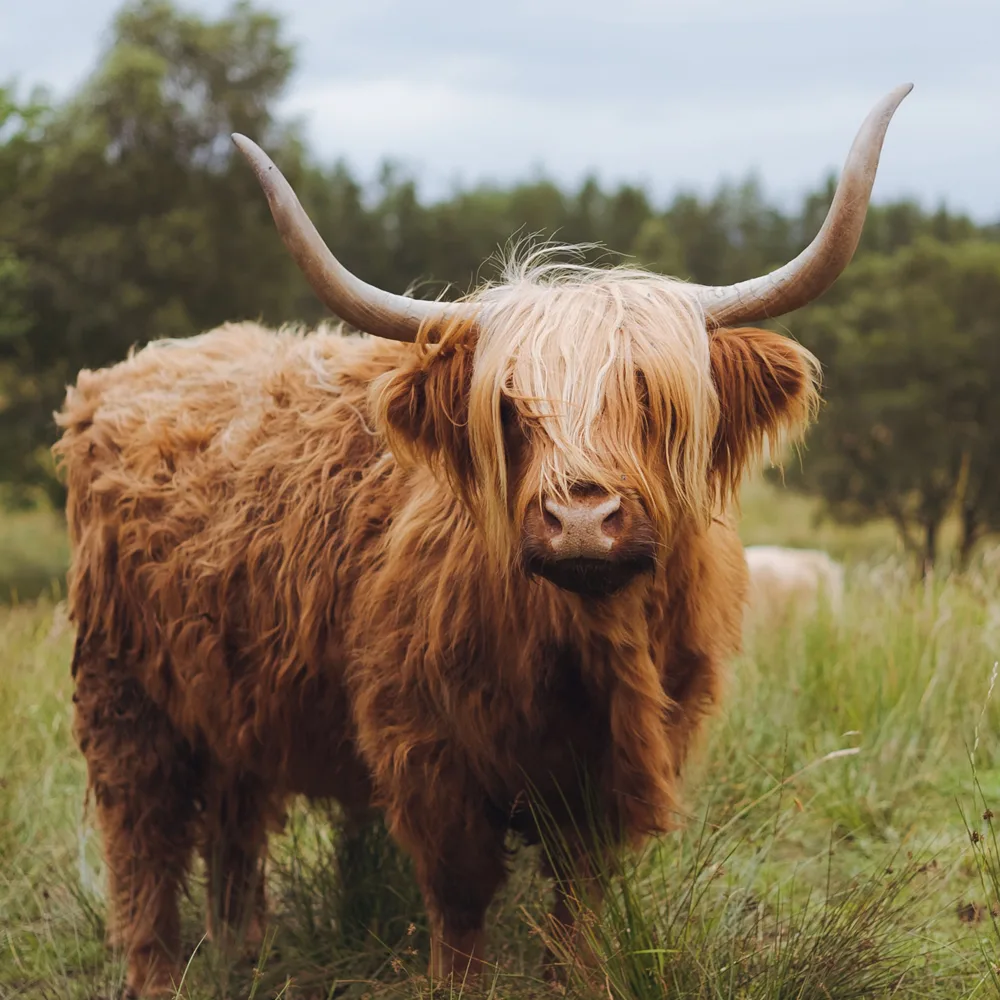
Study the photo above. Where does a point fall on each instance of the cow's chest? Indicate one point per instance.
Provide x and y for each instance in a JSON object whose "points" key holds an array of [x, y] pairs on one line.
{"points": [[558, 758]]}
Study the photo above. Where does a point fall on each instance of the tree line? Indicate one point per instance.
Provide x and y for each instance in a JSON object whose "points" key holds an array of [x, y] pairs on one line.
{"points": [[126, 217]]}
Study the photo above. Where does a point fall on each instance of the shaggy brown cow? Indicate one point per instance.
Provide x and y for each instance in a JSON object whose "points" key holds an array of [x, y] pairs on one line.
{"points": [[420, 577]]}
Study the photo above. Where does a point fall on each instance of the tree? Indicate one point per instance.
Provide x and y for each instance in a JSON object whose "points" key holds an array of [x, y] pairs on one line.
{"points": [[129, 218], [658, 248], [911, 425], [22, 125], [19, 123]]}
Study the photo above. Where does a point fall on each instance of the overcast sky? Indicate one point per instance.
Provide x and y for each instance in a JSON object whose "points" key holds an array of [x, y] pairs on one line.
{"points": [[667, 93]]}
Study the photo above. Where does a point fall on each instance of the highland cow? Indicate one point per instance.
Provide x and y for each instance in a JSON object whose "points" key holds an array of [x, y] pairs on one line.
{"points": [[792, 580], [439, 578]]}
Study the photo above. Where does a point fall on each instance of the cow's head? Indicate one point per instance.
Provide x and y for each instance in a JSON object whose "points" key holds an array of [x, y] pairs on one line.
{"points": [[586, 416]]}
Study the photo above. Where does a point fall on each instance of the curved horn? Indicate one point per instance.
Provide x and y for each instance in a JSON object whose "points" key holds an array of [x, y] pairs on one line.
{"points": [[365, 307], [818, 266]]}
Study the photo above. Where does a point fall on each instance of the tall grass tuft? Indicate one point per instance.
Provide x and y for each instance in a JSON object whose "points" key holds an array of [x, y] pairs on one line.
{"points": [[693, 918]]}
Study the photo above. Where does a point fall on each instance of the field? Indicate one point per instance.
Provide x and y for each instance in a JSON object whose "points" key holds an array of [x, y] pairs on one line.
{"points": [[840, 841]]}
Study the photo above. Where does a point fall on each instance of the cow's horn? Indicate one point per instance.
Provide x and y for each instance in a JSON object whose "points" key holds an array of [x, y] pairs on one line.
{"points": [[815, 269], [365, 307]]}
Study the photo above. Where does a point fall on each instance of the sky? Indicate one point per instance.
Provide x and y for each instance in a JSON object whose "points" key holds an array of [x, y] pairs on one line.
{"points": [[669, 94]]}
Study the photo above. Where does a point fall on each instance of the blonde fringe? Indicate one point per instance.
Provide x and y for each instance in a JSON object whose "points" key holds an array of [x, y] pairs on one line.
{"points": [[565, 343]]}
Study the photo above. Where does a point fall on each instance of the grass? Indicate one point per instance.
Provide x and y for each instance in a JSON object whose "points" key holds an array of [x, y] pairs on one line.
{"points": [[840, 842], [34, 554]]}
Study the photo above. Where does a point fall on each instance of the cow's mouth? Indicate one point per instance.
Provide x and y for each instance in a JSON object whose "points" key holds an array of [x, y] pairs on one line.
{"points": [[590, 577]]}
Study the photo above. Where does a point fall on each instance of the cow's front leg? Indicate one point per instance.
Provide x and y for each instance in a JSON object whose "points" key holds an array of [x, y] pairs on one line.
{"points": [[459, 876], [460, 862], [579, 879]]}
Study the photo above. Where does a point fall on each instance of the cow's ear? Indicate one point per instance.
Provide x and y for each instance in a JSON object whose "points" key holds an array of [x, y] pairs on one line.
{"points": [[768, 391], [423, 407]]}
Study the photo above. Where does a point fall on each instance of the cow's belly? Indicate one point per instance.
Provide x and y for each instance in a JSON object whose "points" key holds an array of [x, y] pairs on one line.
{"points": [[320, 766], [308, 745]]}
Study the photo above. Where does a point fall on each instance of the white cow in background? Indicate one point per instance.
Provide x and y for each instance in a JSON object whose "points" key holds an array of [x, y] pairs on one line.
{"points": [[781, 578]]}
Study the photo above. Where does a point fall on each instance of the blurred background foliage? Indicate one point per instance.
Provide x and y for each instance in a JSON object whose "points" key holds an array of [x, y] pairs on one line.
{"points": [[126, 217]]}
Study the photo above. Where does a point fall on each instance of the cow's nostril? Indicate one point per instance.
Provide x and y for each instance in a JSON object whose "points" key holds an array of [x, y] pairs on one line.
{"points": [[552, 523], [612, 524]]}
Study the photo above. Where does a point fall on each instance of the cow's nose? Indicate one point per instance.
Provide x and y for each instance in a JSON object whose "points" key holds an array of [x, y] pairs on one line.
{"points": [[584, 527]]}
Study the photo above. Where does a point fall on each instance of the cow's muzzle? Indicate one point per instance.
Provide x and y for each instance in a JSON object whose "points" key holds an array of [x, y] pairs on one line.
{"points": [[591, 543]]}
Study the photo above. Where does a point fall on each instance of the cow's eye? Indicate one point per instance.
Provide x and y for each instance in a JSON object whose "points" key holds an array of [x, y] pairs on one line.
{"points": [[641, 387], [508, 413], [514, 431]]}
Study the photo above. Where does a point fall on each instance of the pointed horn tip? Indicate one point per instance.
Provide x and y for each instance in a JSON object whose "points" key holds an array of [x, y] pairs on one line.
{"points": [[259, 160], [897, 94], [244, 145], [885, 110]]}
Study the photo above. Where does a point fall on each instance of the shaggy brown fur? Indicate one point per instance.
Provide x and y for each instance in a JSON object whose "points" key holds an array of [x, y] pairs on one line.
{"points": [[271, 602]]}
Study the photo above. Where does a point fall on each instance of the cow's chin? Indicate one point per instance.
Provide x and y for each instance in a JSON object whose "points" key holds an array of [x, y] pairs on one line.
{"points": [[590, 577]]}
